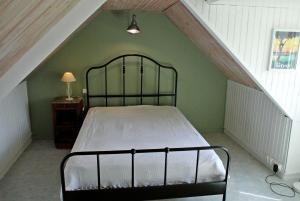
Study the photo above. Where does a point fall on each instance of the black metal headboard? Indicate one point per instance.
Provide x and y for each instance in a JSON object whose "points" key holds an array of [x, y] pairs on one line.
{"points": [[140, 95]]}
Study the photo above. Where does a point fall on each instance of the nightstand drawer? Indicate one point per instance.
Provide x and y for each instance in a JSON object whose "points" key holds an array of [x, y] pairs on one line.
{"points": [[64, 106], [71, 105], [65, 117], [67, 120]]}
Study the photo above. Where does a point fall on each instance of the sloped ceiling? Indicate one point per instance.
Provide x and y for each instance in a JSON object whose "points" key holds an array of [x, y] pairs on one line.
{"points": [[31, 30], [188, 24], [23, 23], [150, 5], [194, 30]]}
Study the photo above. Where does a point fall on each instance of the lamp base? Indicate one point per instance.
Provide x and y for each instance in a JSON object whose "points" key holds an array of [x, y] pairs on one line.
{"points": [[69, 98]]}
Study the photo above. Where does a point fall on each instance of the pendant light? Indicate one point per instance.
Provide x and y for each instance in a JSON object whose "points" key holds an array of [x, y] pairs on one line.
{"points": [[133, 27]]}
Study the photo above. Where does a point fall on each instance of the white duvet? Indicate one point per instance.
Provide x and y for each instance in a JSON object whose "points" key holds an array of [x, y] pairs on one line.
{"points": [[139, 127]]}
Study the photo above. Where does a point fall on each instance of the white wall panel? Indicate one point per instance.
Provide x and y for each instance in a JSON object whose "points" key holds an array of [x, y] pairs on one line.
{"points": [[245, 27], [15, 132], [257, 124], [294, 152]]}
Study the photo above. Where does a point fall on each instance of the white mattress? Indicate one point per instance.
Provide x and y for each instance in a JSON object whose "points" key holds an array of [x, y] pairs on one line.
{"points": [[139, 127]]}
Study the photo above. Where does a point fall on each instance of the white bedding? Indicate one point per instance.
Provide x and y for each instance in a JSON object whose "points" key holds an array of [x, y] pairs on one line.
{"points": [[139, 127]]}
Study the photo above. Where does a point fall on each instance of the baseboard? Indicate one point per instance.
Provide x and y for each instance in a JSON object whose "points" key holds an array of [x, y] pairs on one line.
{"points": [[26, 143], [252, 153], [291, 176]]}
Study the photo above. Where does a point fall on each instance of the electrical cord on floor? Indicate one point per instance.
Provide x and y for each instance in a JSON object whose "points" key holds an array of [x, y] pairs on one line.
{"points": [[283, 185]]}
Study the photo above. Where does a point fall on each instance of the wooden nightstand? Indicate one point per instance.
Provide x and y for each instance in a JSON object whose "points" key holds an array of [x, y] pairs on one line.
{"points": [[67, 120]]}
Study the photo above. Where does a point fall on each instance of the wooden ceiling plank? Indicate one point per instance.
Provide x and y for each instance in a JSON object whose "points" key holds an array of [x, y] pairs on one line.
{"points": [[19, 12], [162, 5], [29, 30], [6, 4], [194, 30], [150, 5], [32, 32], [53, 37], [145, 4], [16, 7], [20, 25]]}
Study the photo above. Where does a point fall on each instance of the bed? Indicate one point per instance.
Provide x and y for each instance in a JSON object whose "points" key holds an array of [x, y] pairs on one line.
{"points": [[140, 152]]}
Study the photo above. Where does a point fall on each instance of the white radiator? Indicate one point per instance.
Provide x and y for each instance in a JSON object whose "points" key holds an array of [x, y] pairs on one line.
{"points": [[257, 124], [15, 132]]}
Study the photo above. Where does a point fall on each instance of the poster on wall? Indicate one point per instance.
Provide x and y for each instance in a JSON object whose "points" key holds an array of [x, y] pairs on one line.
{"points": [[285, 49]]}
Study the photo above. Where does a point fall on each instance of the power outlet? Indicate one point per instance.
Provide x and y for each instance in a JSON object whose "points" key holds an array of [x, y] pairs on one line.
{"points": [[84, 91]]}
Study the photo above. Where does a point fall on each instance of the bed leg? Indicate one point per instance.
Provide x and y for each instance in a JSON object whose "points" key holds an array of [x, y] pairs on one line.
{"points": [[224, 197]]}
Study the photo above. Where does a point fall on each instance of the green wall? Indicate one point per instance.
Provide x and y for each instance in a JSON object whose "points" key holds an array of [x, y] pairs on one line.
{"points": [[201, 87]]}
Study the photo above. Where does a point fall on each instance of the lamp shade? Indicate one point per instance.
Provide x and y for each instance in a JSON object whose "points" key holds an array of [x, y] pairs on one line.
{"points": [[68, 77], [133, 27]]}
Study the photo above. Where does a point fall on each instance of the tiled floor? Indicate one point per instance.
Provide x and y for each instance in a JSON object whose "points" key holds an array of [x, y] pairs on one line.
{"points": [[35, 176]]}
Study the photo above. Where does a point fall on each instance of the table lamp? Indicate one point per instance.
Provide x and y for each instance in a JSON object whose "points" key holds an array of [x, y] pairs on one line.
{"points": [[68, 77]]}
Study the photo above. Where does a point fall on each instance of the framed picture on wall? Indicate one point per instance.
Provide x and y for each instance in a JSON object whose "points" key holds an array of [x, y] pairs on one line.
{"points": [[285, 49]]}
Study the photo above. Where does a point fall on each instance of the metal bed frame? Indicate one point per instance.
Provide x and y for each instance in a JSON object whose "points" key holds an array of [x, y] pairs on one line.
{"points": [[136, 192], [158, 93]]}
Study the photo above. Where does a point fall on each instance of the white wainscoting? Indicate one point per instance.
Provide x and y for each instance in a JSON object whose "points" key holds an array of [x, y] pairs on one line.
{"points": [[15, 132], [245, 28], [257, 124]]}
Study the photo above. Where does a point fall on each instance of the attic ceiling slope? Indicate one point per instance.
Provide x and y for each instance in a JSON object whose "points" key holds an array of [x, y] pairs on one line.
{"points": [[31, 30], [194, 30], [25, 22], [150, 5]]}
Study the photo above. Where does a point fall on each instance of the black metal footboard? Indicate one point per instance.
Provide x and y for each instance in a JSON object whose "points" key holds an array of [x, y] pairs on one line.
{"points": [[149, 192]]}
